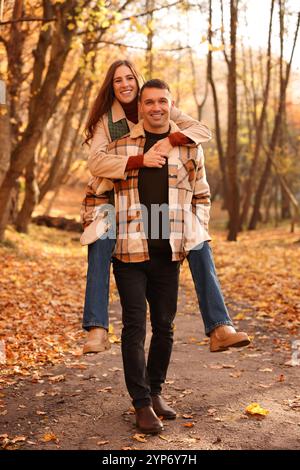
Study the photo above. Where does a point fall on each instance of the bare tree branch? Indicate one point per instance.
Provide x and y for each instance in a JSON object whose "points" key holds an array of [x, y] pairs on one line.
{"points": [[148, 12], [222, 33], [119, 44], [22, 20], [138, 15]]}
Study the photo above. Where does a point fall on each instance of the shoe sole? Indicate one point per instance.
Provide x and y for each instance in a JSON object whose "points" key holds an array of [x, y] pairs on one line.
{"points": [[95, 350], [150, 431], [165, 416], [240, 344]]}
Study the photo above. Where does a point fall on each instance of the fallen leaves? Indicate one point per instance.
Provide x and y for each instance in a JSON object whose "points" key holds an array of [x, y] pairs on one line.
{"points": [[42, 290], [275, 274], [239, 316], [139, 437], [294, 403], [7, 442], [188, 391], [164, 438], [221, 366], [48, 437], [105, 390], [102, 443], [255, 409], [188, 425], [57, 378]]}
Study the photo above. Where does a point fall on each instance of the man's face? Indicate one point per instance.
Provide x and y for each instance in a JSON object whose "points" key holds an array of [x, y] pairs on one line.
{"points": [[155, 107]]}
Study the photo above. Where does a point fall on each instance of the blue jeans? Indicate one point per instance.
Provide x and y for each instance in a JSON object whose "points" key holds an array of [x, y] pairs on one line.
{"points": [[211, 302], [97, 283], [210, 298]]}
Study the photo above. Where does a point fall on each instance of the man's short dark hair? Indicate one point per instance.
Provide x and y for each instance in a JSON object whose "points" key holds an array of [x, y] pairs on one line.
{"points": [[155, 83]]}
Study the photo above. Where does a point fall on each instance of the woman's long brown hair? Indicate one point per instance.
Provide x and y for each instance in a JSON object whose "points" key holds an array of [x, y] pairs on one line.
{"points": [[105, 97]]}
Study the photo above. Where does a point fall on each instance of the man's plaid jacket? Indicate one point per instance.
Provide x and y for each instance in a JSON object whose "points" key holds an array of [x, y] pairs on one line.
{"points": [[189, 200]]}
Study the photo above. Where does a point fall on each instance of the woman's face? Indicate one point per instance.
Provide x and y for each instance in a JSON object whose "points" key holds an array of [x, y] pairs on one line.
{"points": [[124, 84]]}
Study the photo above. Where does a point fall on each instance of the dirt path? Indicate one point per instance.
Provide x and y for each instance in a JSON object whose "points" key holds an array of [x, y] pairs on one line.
{"points": [[83, 404]]}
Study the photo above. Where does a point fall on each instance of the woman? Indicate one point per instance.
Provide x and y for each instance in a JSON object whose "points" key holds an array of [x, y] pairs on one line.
{"points": [[114, 113]]}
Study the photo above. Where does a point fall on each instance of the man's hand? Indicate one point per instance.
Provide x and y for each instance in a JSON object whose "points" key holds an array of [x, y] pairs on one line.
{"points": [[154, 159], [164, 146]]}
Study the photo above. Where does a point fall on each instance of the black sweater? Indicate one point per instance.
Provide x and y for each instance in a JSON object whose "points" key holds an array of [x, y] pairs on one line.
{"points": [[153, 188]]}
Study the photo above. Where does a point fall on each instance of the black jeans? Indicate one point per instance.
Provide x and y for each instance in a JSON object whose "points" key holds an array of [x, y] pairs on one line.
{"points": [[156, 281]]}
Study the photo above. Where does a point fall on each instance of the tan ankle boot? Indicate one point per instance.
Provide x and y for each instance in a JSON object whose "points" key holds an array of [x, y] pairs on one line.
{"points": [[97, 341], [225, 336]]}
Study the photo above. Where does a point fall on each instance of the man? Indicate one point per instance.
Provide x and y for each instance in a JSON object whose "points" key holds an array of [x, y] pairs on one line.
{"points": [[217, 323], [150, 245]]}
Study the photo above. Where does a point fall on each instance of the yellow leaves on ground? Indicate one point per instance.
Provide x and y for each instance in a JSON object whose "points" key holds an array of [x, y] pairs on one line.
{"points": [[43, 283], [188, 425], [50, 436], [259, 274], [256, 410], [164, 438], [139, 437], [41, 296], [112, 337], [239, 316]]}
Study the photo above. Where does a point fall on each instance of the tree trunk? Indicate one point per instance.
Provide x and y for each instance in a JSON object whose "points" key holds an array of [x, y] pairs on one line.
{"points": [[199, 104], [31, 198], [41, 107], [15, 63], [268, 205], [259, 130], [277, 125], [51, 201], [5, 141], [276, 213], [149, 51], [211, 81], [231, 154], [56, 165], [5, 203], [285, 205]]}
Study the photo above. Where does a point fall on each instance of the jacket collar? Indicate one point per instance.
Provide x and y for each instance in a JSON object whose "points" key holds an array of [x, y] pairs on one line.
{"points": [[138, 129], [117, 112]]}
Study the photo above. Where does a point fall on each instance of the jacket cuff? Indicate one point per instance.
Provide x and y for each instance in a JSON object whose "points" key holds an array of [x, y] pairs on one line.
{"points": [[135, 162], [177, 138]]}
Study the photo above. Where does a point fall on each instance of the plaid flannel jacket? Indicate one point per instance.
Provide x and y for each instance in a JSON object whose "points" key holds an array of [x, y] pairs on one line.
{"points": [[189, 200], [102, 167]]}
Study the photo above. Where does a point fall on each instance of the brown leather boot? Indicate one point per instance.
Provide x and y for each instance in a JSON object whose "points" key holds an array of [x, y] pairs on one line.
{"points": [[225, 336], [147, 421], [161, 408], [97, 341]]}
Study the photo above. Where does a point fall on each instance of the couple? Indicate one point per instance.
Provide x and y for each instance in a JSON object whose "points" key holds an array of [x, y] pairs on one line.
{"points": [[159, 164]]}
